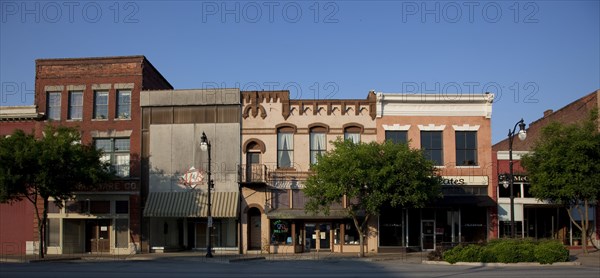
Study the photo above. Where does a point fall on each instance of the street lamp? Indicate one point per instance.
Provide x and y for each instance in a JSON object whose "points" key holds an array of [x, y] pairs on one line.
{"points": [[522, 135], [205, 146]]}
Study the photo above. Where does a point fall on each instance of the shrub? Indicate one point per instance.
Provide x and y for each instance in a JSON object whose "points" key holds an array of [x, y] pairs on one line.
{"points": [[469, 253], [509, 251], [550, 251]]}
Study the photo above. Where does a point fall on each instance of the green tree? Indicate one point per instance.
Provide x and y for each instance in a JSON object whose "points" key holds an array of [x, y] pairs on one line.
{"points": [[51, 167], [370, 176], [564, 168]]}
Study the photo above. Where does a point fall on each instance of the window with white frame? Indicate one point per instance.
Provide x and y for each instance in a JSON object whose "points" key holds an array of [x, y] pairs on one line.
{"points": [[53, 103], [100, 104], [75, 105], [123, 104], [116, 152]]}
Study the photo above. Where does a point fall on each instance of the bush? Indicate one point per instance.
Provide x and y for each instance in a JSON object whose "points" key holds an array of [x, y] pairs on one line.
{"points": [[509, 251], [469, 253], [550, 251], [513, 251]]}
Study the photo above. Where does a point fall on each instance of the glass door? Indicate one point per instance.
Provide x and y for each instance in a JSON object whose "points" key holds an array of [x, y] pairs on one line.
{"points": [[324, 237], [311, 236], [427, 235]]}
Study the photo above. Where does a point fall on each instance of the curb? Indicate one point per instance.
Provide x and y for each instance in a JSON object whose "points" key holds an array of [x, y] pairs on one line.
{"points": [[246, 259], [54, 260], [501, 264]]}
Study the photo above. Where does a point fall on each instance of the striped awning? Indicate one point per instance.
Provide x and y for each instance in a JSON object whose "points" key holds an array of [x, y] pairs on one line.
{"points": [[191, 204]]}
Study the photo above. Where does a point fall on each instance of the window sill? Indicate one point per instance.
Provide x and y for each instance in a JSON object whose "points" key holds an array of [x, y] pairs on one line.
{"points": [[74, 120], [468, 167], [99, 120], [122, 119]]}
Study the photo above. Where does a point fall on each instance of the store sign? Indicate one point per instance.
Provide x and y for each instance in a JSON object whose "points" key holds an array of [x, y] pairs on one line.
{"points": [[116, 185], [192, 178], [464, 180], [280, 227], [516, 178]]}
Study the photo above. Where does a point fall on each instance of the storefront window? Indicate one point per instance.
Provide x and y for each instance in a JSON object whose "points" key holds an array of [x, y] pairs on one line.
{"points": [[351, 235], [390, 227], [121, 233], [474, 224], [53, 232], [280, 232]]}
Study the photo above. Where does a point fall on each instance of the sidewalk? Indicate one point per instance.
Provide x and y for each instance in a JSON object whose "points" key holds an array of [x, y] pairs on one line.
{"points": [[590, 260]]}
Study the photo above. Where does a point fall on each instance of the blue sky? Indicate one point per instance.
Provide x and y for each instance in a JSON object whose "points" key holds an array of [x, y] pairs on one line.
{"points": [[534, 55]]}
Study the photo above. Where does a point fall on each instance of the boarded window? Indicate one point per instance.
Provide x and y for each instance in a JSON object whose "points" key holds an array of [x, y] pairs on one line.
{"points": [[121, 233]]}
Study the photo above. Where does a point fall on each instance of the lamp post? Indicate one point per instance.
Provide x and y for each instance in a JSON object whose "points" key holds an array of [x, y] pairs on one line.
{"points": [[522, 135], [205, 146]]}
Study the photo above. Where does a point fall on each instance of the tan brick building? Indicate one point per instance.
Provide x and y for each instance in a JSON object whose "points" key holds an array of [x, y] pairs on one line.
{"points": [[280, 140]]}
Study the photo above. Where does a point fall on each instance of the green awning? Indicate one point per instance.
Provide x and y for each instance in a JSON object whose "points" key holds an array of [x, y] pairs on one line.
{"points": [[191, 204]]}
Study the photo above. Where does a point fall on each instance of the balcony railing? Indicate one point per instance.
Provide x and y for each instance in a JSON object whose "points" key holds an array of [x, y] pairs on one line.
{"points": [[253, 173]]}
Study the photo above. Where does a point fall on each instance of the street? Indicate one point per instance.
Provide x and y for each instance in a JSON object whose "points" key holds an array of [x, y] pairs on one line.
{"points": [[196, 267]]}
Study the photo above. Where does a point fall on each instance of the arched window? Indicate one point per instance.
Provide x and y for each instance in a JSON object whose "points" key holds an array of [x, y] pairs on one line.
{"points": [[318, 143], [352, 133], [285, 147]]}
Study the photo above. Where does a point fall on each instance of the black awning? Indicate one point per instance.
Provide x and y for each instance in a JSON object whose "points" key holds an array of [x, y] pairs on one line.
{"points": [[465, 200]]}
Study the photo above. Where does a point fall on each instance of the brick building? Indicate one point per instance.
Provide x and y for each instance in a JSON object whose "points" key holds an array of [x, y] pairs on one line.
{"points": [[17, 218], [455, 132], [280, 140], [100, 97], [534, 218]]}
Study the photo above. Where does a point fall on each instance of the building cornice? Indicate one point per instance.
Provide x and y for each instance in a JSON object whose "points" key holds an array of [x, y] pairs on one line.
{"points": [[434, 104]]}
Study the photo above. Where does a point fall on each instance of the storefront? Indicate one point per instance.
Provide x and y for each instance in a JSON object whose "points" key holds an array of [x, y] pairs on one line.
{"points": [[534, 218], [95, 222], [178, 220], [462, 215], [294, 231]]}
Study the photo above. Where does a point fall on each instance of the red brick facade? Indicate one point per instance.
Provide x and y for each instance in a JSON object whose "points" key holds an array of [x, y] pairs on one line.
{"points": [[132, 73], [571, 113]]}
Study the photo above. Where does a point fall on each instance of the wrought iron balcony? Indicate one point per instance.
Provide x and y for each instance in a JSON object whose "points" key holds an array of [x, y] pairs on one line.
{"points": [[253, 173]]}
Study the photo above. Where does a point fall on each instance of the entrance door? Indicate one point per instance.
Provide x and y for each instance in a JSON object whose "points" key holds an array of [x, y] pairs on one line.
{"points": [[427, 235], [97, 235], [318, 232], [311, 237], [254, 229], [325, 237], [253, 170]]}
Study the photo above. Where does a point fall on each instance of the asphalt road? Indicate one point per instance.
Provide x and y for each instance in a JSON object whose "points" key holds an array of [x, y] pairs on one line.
{"points": [[192, 267]]}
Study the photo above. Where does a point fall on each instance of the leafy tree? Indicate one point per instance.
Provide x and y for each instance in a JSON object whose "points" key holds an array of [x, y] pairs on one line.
{"points": [[51, 167], [564, 168], [370, 176]]}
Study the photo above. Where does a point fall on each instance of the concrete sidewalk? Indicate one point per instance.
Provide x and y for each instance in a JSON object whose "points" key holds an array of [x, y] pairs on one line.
{"points": [[590, 260]]}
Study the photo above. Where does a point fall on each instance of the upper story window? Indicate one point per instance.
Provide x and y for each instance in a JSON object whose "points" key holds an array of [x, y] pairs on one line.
{"points": [[116, 152], [466, 148], [100, 104], [285, 147], [53, 109], [318, 143], [396, 136], [75, 105], [432, 145], [123, 104], [352, 134]]}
